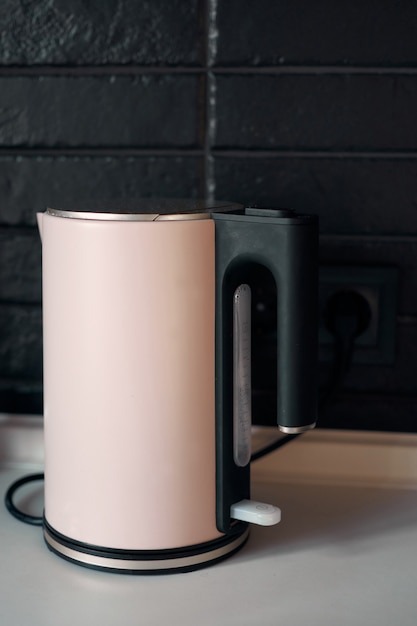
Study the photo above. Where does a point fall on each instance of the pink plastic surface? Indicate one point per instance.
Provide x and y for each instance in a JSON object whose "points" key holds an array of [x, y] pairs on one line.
{"points": [[129, 381]]}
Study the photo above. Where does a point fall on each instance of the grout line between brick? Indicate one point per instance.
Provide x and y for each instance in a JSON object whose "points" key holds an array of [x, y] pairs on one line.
{"points": [[95, 70], [104, 151], [205, 151], [315, 69], [211, 33], [259, 153], [110, 70]]}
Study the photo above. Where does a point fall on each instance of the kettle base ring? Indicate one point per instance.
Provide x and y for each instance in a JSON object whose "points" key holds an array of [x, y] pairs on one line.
{"points": [[168, 561]]}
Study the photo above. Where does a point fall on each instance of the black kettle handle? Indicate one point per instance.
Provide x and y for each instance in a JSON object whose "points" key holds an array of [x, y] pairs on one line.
{"points": [[286, 243]]}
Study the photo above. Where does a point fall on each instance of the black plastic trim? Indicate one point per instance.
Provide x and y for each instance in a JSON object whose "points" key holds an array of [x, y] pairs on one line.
{"points": [[144, 555]]}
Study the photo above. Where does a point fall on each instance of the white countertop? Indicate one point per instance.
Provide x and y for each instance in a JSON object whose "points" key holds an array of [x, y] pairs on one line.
{"points": [[344, 554]]}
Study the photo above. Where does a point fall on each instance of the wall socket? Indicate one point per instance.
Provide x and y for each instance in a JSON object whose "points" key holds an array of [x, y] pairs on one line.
{"points": [[378, 285]]}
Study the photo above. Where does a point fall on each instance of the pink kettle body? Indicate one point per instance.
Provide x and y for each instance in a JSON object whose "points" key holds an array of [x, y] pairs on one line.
{"points": [[131, 442]]}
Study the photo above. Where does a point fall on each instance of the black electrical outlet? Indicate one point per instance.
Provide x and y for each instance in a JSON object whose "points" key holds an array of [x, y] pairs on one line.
{"points": [[378, 286]]}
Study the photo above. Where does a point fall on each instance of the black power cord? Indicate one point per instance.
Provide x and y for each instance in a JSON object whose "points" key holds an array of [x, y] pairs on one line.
{"points": [[34, 520], [347, 315], [274, 445]]}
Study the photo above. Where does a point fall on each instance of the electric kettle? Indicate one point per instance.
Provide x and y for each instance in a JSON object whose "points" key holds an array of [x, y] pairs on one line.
{"points": [[147, 374]]}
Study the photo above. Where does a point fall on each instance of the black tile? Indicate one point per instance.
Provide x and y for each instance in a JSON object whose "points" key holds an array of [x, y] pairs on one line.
{"points": [[351, 196], [126, 31], [378, 412], [30, 184], [20, 265], [399, 378], [21, 342], [21, 397], [327, 112], [143, 110], [321, 32], [399, 252]]}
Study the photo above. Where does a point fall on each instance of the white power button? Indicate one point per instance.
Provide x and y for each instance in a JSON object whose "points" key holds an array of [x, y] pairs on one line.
{"points": [[256, 512]]}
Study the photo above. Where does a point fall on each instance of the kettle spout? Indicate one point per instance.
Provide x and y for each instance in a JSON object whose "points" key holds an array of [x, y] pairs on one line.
{"points": [[39, 217]]}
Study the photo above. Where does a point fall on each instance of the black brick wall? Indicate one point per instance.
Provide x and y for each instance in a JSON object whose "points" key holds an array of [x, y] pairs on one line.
{"points": [[288, 103]]}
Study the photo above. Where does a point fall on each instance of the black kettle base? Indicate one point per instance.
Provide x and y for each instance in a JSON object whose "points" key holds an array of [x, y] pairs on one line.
{"points": [[169, 561]]}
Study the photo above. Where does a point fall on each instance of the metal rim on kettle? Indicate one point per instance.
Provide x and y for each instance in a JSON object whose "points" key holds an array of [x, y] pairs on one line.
{"points": [[142, 210]]}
